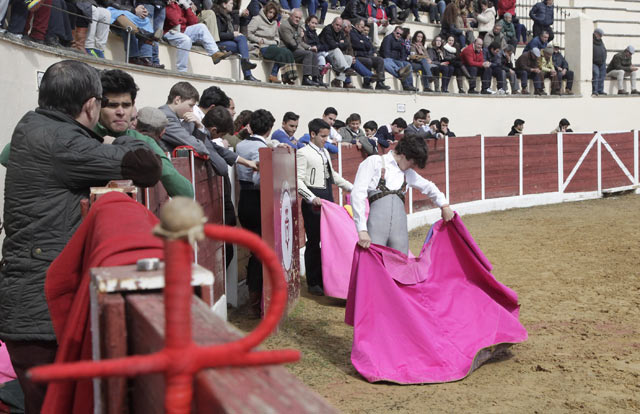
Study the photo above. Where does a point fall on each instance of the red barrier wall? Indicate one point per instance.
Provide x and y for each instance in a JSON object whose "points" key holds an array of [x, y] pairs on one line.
{"points": [[586, 176], [501, 166], [622, 145], [540, 159]]}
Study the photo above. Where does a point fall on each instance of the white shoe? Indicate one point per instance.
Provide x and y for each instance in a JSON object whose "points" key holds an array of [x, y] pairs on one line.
{"points": [[491, 91], [502, 92], [2, 30], [14, 36]]}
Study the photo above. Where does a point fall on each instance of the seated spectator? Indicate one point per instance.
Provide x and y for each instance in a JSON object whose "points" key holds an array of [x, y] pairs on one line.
{"points": [[508, 29], [508, 64], [262, 33], [389, 133], [444, 127], [182, 30], [494, 56], [370, 129], [527, 67], [517, 128], [563, 126], [136, 20], [620, 68], [311, 38], [433, 130], [395, 59], [541, 42], [431, 7], [357, 66], [333, 39], [496, 35], [548, 71], [231, 40], [402, 10], [599, 63], [212, 97], [451, 25], [377, 20], [313, 5], [290, 4], [156, 13], [97, 32], [451, 53], [183, 128], [420, 60], [542, 15], [420, 119], [286, 134], [356, 9], [292, 36], [352, 133], [486, 18], [439, 66], [253, 9], [562, 68], [473, 59], [364, 53]]}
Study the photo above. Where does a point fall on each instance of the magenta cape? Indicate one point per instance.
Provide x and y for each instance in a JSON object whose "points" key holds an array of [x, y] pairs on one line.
{"points": [[434, 318], [338, 237]]}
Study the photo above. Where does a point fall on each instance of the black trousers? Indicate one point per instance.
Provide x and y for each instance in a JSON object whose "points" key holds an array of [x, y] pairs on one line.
{"points": [[229, 216], [24, 356], [312, 254], [250, 218]]}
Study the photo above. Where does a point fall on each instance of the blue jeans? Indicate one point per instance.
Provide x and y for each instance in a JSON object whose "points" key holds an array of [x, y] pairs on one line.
{"points": [[237, 45], [157, 15], [312, 6], [392, 66], [197, 33], [290, 4], [362, 70], [136, 48], [599, 73], [441, 6], [524, 79]]}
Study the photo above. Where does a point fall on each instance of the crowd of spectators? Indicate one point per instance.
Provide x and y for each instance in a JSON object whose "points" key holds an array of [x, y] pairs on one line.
{"points": [[478, 38]]}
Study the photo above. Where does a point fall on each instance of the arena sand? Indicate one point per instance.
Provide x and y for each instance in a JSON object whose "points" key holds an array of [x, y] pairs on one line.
{"points": [[575, 267]]}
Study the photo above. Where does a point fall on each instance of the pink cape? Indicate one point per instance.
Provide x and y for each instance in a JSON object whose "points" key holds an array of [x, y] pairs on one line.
{"points": [[338, 237], [434, 318], [6, 369]]}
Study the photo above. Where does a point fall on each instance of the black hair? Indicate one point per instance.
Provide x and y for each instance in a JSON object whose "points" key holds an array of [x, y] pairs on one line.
{"points": [[353, 117], [421, 114], [414, 149], [435, 122], [184, 90], [261, 121], [67, 85], [116, 81], [444, 119], [495, 45], [372, 125], [220, 118], [564, 122], [415, 35], [214, 96], [242, 120], [330, 110], [400, 123], [338, 124], [290, 116], [308, 19], [317, 124], [518, 122]]}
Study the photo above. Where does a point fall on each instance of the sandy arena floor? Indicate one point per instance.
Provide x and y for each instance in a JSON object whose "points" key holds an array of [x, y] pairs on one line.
{"points": [[576, 269]]}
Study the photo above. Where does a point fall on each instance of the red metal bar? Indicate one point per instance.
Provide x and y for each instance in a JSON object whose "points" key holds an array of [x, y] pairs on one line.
{"points": [[181, 358]]}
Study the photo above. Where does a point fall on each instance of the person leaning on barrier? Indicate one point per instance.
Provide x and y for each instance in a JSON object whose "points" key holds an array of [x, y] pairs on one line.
{"points": [[55, 157], [119, 91], [249, 212], [563, 126]]}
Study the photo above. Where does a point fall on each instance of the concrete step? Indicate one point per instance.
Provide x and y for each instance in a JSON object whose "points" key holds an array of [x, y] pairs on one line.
{"points": [[621, 41], [618, 26]]}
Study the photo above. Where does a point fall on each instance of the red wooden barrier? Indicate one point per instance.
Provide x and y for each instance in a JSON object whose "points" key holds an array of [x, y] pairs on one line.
{"points": [[465, 170], [540, 159], [586, 176], [622, 145], [280, 224], [502, 166]]}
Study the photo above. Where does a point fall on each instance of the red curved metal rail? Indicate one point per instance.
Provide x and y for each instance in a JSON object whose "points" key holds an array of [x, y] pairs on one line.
{"points": [[181, 358]]}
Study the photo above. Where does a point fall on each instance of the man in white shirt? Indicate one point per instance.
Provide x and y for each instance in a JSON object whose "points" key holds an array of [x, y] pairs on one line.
{"points": [[383, 179], [316, 177]]}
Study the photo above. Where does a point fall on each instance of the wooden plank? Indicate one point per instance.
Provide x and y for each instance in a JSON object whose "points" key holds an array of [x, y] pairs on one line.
{"points": [[265, 389], [113, 344]]}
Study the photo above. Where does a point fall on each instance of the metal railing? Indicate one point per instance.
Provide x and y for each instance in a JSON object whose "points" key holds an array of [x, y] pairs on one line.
{"points": [[560, 14]]}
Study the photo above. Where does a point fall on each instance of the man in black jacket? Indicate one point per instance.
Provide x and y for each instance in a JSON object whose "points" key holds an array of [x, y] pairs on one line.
{"points": [[395, 59], [562, 68], [363, 50], [55, 157], [333, 39]]}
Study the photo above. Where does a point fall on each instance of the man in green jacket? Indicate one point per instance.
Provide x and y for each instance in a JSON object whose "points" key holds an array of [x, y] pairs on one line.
{"points": [[620, 68], [120, 91]]}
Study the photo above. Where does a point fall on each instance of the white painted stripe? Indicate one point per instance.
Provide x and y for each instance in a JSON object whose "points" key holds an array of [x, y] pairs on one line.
{"points": [[520, 166], [560, 162], [636, 161], [340, 171], [446, 166], [410, 200], [617, 159], [482, 177], [599, 163], [579, 163], [193, 185]]}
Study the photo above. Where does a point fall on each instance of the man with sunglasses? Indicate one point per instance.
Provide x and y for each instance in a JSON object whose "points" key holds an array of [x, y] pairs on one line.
{"points": [[55, 157], [119, 92]]}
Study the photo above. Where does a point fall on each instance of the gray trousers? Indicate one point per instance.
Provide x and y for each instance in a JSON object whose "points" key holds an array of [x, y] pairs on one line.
{"points": [[387, 223]]}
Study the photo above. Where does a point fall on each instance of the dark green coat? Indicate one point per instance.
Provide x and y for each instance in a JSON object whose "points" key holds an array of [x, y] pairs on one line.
{"points": [[52, 163]]}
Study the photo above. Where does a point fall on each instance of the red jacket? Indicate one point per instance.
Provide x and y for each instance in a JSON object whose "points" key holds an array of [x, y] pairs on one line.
{"points": [[470, 57], [505, 6], [176, 15]]}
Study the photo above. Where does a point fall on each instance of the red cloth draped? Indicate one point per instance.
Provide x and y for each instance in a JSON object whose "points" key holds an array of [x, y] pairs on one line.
{"points": [[117, 231]]}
